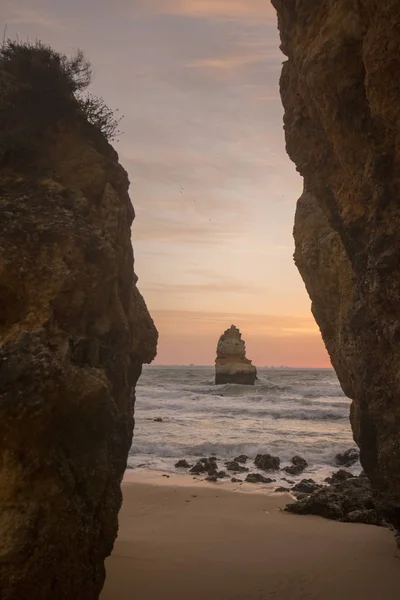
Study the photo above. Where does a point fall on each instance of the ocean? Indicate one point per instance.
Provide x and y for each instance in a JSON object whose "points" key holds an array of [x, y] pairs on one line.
{"points": [[287, 412]]}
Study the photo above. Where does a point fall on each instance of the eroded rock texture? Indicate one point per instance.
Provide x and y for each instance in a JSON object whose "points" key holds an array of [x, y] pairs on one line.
{"points": [[231, 364], [74, 332], [342, 107]]}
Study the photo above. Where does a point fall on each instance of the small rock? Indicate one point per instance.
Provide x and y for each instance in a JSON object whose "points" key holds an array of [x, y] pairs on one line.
{"points": [[158, 420], [298, 465], [288, 480], [182, 464], [340, 475], [198, 468], [166, 476], [234, 466], [242, 458], [234, 480], [348, 458], [212, 478], [221, 474], [266, 462], [306, 486], [257, 478], [282, 489]]}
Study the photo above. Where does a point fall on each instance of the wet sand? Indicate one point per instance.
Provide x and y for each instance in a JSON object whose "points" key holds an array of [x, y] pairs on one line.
{"points": [[185, 540]]}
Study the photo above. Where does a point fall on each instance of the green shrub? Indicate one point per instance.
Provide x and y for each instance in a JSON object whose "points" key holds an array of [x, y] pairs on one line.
{"points": [[39, 87]]}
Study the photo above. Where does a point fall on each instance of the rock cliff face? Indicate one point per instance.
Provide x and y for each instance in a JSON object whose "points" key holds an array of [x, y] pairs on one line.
{"points": [[231, 364], [74, 332], [342, 111]]}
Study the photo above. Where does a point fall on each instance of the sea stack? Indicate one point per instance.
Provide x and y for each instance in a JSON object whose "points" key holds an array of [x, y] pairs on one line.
{"points": [[74, 331], [231, 364], [342, 111]]}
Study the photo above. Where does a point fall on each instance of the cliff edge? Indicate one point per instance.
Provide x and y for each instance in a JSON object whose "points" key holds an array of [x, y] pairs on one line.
{"points": [[74, 329], [231, 364], [342, 111]]}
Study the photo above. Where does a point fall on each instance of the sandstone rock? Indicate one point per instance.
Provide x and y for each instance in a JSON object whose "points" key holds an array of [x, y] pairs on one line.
{"points": [[266, 462], [182, 464], [348, 458], [74, 333], [257, 478], [349, 501], [231, 364], [342, 108], [298, 465], [306, 486]]}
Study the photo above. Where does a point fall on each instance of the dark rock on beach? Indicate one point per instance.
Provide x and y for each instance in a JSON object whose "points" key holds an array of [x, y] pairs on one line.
{"points": [[340, 475], [205, 465], [348, 458], [242, 458], [349, 501], [233, 465], [158, 420], [282, 489], [182, 464], [298, 465], [257, 478], [306, 486], [266, 462], [234, 480]]}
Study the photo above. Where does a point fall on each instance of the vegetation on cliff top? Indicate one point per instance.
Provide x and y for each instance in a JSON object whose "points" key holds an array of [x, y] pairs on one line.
{"points": [[40, 87]]}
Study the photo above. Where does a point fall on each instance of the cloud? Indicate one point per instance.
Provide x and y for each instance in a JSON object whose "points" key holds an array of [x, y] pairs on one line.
{"points": [[206, 323], [253, 10], [27, 16]]}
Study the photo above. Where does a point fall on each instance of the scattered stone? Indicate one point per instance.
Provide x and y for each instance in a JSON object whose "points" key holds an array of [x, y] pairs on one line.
{"points": [[266, 462], [348, 458], [182, 464], [298, 465], [166, 476], [158, 420], [234, 480], [221, 474], [340, 475], [234, 466], [257, 478], [282, 489], [306, 486], [198, 468], [350, 501], [242, 458], [231, 364], [212, 478], [288, 480]]}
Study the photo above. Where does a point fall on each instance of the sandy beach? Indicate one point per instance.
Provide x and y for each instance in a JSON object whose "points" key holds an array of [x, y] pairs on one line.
{"points": [[180, 539]]}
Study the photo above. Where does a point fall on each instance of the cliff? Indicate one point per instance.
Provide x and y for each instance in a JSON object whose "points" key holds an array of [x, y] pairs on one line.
{"points": [[342, 107], [74, 332], [231, 364]]}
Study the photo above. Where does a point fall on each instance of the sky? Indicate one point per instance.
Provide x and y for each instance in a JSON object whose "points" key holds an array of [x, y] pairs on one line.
{"points": [[196, 82]]}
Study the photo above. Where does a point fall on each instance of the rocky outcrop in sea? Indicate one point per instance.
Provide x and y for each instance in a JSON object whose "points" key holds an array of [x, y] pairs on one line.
{"points": [[74, 331], [342, 109], [231, 364]]}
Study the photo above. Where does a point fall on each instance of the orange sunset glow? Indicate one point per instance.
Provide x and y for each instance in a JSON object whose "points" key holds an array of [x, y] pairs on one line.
{"points": [[213, 189]]}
